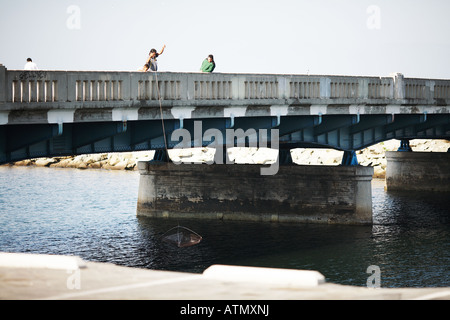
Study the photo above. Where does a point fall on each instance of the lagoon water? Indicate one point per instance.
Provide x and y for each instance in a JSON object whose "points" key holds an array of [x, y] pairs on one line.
{"points": [[92, 214]]}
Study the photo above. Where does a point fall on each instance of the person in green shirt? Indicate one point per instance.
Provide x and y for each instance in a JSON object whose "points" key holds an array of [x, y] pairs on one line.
{"points": [[208, 64]]}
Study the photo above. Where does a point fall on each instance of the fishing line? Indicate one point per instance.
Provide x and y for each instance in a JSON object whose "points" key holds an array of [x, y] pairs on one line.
{"points": [[164, 132], [182, 239], [161, 113]]}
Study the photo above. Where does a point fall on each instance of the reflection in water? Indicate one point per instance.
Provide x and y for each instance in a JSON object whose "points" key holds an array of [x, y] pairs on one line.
{"points": [[92, 214]]}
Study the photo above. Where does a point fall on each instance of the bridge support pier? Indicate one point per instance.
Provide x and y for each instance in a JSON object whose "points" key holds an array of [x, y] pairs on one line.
{"points": [[161, 155], [285, 157], [296, 194], [418, 171], [404, 146], [349, 158]]}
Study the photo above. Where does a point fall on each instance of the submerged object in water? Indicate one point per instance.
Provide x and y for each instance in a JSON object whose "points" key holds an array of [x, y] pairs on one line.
{"points": [[181, 237]]}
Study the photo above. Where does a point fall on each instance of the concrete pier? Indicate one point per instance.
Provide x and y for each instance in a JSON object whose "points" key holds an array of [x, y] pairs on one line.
{"points": [[418, 171], [318, 194]]}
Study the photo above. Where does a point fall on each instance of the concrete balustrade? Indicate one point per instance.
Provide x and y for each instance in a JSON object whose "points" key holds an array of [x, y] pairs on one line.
{"points": [[40, 87], [380, 89], [214, 90], [441, 90], [305, 90]]}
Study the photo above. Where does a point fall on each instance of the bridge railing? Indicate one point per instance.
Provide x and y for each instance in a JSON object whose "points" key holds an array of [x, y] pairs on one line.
{"points": [[42, 87], [426, 89]]}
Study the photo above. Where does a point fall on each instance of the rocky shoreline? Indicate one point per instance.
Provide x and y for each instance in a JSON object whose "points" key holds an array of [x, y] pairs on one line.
{"points": [[371, 156]]}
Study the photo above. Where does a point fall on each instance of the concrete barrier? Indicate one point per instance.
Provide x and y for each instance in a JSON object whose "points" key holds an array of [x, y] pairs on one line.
{"points": [[42, 261], [283, 277]]}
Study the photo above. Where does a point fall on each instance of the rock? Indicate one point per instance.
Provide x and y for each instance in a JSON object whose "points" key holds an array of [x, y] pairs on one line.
{"points": [[113, 159], [191, 155], [379, 172], [96, 165], [62, 163], [44, 162], [82, 165], [120, 166], [23, 163]]}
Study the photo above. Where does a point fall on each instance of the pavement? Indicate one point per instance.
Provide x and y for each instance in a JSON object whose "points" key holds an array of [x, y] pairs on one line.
{"points": [[48, 277]]}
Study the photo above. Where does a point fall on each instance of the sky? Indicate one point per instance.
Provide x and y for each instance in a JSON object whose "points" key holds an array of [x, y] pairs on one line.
{"points": [[321, 37]]}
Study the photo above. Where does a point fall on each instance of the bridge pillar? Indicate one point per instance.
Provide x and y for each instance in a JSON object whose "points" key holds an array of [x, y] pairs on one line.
{"points": [[296, 194], [404, 146], [161, 155], [349, 158], [285, 157], [418, 171]]}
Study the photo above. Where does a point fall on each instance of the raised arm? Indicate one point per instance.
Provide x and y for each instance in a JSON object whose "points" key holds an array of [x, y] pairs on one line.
{"points": [[162, 50]]}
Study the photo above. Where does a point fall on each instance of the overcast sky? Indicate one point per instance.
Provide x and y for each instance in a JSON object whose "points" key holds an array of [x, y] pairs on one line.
{"points": [[335, 37]]}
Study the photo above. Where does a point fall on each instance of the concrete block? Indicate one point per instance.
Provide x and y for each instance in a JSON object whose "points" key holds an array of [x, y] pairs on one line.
{"points": [[281, 277], [40, 261]]}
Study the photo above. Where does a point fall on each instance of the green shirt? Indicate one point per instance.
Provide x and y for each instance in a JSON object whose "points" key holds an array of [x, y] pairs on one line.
{"points": [[207, 66]]}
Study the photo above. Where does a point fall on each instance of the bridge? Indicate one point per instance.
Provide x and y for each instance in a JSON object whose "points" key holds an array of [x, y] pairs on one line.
{"points": [[59, 113]]}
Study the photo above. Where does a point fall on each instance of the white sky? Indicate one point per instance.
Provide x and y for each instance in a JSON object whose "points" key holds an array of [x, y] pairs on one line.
{"points": [[327, 37]]}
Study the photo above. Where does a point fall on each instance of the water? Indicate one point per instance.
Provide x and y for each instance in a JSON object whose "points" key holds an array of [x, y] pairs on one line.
{"points": [[92, 214]]}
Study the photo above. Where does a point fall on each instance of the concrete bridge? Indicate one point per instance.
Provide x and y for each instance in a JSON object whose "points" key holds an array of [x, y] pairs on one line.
{"points": [[58, 113]]}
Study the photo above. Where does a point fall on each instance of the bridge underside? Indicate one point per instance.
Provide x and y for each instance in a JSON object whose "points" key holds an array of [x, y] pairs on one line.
{"points": [[342, 132]]}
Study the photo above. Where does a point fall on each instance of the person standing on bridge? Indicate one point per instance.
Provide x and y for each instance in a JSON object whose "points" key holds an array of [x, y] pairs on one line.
{"points": [[208, 64], [151, 61], [30, 65]]}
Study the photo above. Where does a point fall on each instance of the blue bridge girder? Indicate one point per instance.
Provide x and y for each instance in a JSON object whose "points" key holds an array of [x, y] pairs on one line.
{"points": [[341, 132]]}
